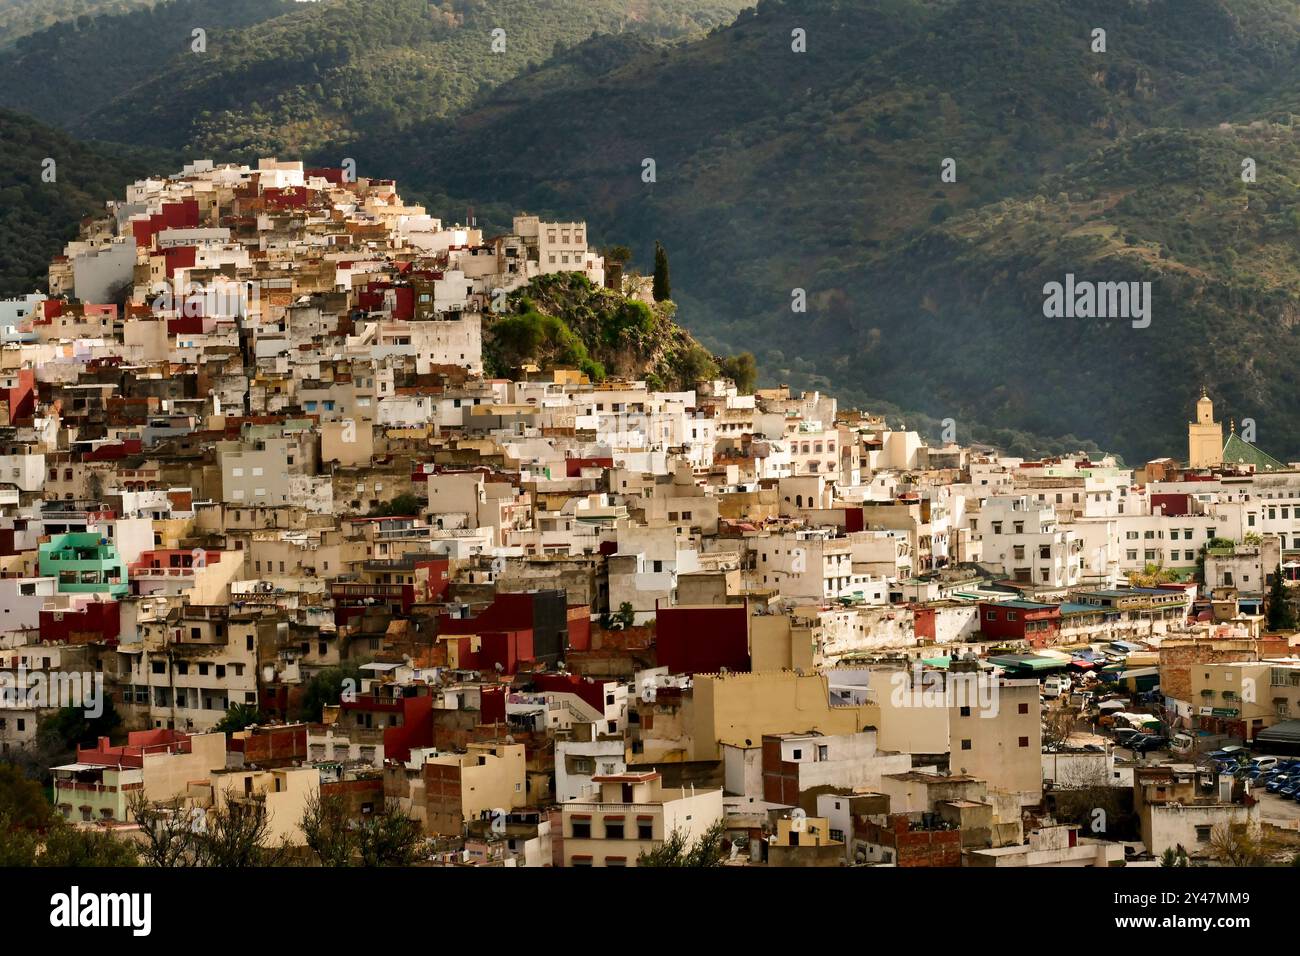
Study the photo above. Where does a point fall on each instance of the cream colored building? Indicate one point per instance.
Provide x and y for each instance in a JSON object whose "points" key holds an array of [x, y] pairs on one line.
{"points": [[735, 708], [633, 814], [284, 792]]}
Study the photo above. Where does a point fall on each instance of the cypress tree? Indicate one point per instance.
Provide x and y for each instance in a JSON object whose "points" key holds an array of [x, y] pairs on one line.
{"points": [[1281, 616], [663, 288]]}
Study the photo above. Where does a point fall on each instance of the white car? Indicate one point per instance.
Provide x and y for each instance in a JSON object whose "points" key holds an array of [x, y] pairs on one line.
{"points": [[1056, 686]]}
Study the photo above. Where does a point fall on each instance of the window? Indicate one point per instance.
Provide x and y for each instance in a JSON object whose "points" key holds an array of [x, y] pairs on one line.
{"points": [[965, 745], [1024, 741], [965, 711], [1022, 709], [645, 830], [614, 831], [582, 830]]}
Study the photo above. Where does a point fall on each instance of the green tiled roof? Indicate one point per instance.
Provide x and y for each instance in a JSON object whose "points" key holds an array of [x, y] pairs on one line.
{"points": [[1239, 452]]}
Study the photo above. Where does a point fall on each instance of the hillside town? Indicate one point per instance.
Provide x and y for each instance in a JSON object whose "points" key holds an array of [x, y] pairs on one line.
{"points": [[270, 513]]}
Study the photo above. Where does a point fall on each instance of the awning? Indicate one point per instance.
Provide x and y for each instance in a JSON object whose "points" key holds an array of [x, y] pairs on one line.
{"points": [[1026, 662], [1286, 732]]}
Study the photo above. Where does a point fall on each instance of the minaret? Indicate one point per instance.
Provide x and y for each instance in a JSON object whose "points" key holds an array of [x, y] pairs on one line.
{"points": [[1204, 436]]}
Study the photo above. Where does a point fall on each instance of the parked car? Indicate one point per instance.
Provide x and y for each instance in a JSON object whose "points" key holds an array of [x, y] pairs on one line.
{"points": [[1054, 687], [1261, 764], [1232, 752], [1145, 743], [1278, 782], [1124, 735], [1290, 788]]}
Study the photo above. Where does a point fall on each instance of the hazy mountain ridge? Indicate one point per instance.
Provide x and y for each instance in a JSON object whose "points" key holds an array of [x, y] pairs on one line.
{"points": [[820, 171]]}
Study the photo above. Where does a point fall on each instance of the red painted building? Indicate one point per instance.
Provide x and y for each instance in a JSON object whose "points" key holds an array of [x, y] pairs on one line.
{"points": [[93, 622], [274, 746], [544, 614], [573, 466], [701, 640], [591, 691], [1020, 620], [370, 297], [138, 744], [20, 393]]}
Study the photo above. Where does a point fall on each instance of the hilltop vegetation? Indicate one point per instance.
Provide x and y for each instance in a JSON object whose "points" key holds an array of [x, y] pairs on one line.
{"points": [[563, 320]]}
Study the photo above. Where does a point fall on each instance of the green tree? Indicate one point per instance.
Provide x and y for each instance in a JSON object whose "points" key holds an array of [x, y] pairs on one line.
{"points": [[386, 838], [1281, 615], [625, 616], [168, 831], [327, 829], [22, 802], [237, 835], [741, 369], [709, 850], [237, 717], [62, 732], [327, 687], [18, 844], [695, 365], [400, 506], [663, 288], [66, 845], [1171, 858]]}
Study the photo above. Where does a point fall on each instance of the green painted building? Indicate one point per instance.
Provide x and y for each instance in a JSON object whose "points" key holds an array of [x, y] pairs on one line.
{"points": [[84, 563]]}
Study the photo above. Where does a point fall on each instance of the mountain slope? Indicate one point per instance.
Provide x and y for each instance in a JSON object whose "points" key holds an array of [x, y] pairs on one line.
{"points": [[298, 75], [38, 217], [820, 171], [63, 73], [18, 18]]}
